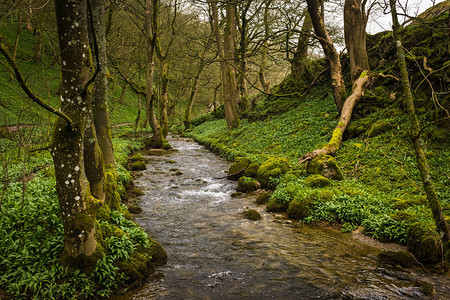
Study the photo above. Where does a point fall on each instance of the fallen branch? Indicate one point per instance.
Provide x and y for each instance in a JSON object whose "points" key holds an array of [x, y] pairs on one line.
{"points": [[333, 145]]}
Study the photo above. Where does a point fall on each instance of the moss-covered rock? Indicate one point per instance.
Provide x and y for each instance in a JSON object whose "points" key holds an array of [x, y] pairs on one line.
{"points": [[134, 209], [136, 157], [235, 194], [135, 192], [251, 170], [274, 206], [317, 180], [263, 198], [402, 258], [238, 167], [247, 184], [252, 215], [273, 167], [326, 166], [379, 127], [426, 288], [398, 203], [138, 166], [424, 243], [300, 208]]}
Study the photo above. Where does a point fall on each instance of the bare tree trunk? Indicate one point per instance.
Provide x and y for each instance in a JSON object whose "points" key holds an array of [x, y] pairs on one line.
{"points": [[164, 96], [242, 81], [265, 49], [433, 199], [298, 64], [68, 155], [229, 87], [355, 21], [150, 14], [38, 50], [16, 44], [336, 139], [337, 81]]}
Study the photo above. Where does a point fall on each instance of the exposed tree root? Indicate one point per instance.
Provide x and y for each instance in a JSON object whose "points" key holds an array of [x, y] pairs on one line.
{"points": [[333, 145]]}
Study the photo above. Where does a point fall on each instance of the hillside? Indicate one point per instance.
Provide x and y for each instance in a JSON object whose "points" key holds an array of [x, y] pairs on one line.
{"points": [[381, 189]]}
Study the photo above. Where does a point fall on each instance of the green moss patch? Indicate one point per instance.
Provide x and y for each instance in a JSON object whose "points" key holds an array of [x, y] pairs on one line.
{"points": [[317, 180], [252, 215], [238, 167], [138, 166], [326, 166], [247, 184]]}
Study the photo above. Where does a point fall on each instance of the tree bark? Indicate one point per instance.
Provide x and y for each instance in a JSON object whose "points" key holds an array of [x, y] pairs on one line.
{"points": [[150, 14], [68, 141], [38, 50], [336, 139], [164, 96], [265, 49], [100, 102], [229, 87], [433, 199], [243, 65], [337, 81], [298, 64], [355, 21]]}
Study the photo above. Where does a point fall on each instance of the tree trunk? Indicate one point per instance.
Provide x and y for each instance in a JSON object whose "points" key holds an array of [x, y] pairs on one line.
{"points": [[68, 157], [100, 102], [265, 49], [16, 44], [241, 79], [433, 199], [229, 87], [164, 96], [38, 50], [150, 14], [337, 81], [355, 21], [336, 139], [298, 64]]}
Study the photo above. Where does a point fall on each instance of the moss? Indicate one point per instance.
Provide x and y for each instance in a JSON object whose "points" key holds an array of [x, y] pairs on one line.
{"points": [[252, 215], [135, 192], [398, 203], [273, 167], [236, 194], [300, 208], [326, 195], [238, 167], [136, 157], [274, 206], [402, 258], [326, 166], [103, 213], [49, 172], [426, 288], [134, 209], [138, 166], [379, 127], [247, 184], [424, 242], [263, 198], [407, 217], [136, 268], [317, 180], [251, 170]]}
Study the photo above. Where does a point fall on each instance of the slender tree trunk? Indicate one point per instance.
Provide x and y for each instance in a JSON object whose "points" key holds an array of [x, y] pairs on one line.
{"points": [[38, 50], [265, 49], [336, 139], [100, 102], [298, 64], [355, 21], [16, 44], [243, 65], [229, 87], [433, 199], [164, 96], [337, 81], [150, 14], [68, 156]]}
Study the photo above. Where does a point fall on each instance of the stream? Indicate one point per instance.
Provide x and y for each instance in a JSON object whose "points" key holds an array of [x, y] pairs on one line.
{"points": [[214, 253]]}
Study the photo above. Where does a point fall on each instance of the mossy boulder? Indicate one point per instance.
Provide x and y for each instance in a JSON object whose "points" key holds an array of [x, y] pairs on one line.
{"points": [[135, 192], [247, 184], [326, 166], [136, 157], [273, 167], [252, 215], [134, 209], [424, 243], [238, 167], [275, 206], [398, 203], [379, 127], [138, 166], [300, 208], [402, 258], [317, 180], [263, 198], [251, 170]]}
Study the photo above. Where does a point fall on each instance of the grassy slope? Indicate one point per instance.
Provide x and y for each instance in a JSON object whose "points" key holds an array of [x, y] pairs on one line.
{"points": [[43, 78]]}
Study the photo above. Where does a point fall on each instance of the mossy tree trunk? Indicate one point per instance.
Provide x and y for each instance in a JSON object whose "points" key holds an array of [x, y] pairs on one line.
{"points": [[355, 22], [433, 199], [150, 14], [100, 101], [336, 139], [298, 64], [333, 59], [226, 53], [68, 141], [164, 96]]}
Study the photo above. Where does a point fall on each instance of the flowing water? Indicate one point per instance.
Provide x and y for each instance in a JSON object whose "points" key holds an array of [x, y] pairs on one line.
{"points": [[214, 253]]}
